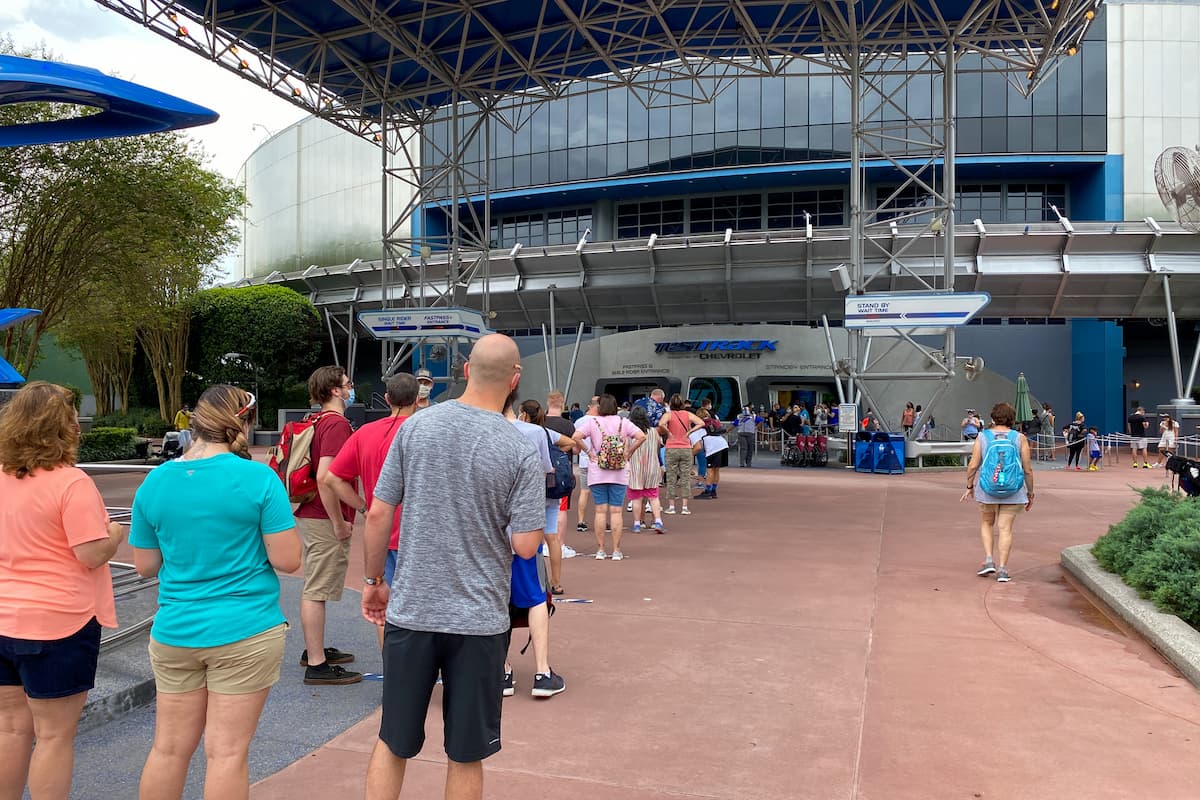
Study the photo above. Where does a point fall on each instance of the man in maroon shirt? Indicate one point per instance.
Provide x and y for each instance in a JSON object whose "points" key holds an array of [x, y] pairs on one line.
{"points": [[325, 526], [364, 453]]}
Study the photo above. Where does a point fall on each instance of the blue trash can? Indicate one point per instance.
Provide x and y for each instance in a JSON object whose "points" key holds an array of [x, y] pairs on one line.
{"points": [[864, 453], [888, 453]]}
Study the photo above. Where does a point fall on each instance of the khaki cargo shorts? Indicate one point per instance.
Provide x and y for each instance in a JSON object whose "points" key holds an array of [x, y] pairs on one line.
{"points": [[326, 559], [242, 667]]}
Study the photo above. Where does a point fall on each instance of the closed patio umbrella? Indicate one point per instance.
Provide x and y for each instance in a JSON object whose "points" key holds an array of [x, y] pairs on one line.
{"points": [[1024, 410]]}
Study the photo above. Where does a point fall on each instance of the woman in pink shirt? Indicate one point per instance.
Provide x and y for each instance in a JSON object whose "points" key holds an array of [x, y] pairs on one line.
{"points": [[609, 441], [55, 589]]}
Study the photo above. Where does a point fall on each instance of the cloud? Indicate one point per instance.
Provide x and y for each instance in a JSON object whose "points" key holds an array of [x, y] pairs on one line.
{"points": [[72, 20]]}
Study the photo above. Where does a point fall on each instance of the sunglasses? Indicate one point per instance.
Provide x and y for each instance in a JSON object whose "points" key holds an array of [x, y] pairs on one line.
{"points": [[250, 403]]}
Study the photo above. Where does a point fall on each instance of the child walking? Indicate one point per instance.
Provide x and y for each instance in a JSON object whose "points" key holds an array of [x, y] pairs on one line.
{"points": [[1094, 453]]}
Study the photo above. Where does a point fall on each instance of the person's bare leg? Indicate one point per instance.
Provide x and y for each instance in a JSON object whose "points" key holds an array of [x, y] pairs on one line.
{"points": [[986, 521], [312, 620], [554, 543], [539, 631], [618, 523], [601, 520], [1004, 527], [178, 724], [385, 774], [464, 781], [231, 722], [16, 742], [53, 761], [656, 508], [585, 497]]}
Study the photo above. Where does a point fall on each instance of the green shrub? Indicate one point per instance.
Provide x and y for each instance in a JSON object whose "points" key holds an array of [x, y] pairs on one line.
{"points": [[107, 444], [145, 421], [1156, 549]]}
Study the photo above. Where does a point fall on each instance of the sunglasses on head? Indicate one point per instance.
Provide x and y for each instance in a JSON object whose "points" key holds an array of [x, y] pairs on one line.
{"points": [[250, 403]]}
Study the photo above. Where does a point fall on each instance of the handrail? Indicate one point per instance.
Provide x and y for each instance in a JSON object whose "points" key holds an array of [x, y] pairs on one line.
{"points": [[115, 468]]}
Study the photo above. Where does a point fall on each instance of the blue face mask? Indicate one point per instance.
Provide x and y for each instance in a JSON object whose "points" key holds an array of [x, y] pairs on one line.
{"points": [[350, 398]]}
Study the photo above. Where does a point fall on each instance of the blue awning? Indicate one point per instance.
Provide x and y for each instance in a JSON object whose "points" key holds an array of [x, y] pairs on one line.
{"points": [[14, 316]]}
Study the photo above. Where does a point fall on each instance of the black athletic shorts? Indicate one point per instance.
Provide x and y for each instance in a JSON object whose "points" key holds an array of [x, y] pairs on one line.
{"points": [[472, 669]]}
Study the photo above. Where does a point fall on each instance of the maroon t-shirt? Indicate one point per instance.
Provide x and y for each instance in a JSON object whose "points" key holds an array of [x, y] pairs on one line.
{"points": [[331, 433]]}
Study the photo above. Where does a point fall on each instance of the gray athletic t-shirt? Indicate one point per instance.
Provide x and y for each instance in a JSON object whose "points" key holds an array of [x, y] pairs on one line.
{"points": [[464, 475]]}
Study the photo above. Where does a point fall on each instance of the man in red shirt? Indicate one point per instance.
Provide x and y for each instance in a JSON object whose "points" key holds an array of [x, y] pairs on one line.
{"points": [[325, 526], [363, 454]]}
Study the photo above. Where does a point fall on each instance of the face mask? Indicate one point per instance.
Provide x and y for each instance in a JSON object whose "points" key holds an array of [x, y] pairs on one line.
{"points": [[350, 397], [423, 390]]}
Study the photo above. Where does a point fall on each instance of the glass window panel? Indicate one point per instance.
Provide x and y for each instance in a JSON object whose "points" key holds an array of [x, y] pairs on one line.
{"points": [[660, 122], [820, 140], [1095, 82], [597, 120], [841, 100], [1069, 77], [920, 98], [995, 94], [702, 117], [820, 99], [521, 138], [1095, 134], [638, 119], [617, 115], [616, 159], [539, 128], [660, 153], [795, 108], [796, 141], [681, 146], [558, 166], [969, 135], [1045, 98], [841, 141], [502, 140], [577, 163], [995, 135], [1020, 135], [772, 102], [893, 90], [725, 113], [681, 119], [749, 138], [638, 155], [520, 174], [703, 143], [557, 124], [539, 169], [1018, 104], [1070, 133], [597, 161], [502, 173], [749, 104], [1045, 134], [969, 101], [577, 120]]}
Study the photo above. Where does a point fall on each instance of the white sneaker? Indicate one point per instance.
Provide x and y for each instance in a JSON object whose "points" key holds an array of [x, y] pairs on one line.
{"points": [[568, 551], [617, 555], [600, 555], [670, 510], [545, 551], [629, 506], [647, 509]]}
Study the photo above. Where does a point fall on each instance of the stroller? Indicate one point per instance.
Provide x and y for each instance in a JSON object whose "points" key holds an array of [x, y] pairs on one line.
{"points": [[820, 451], [1187, 474], [172, 446]]}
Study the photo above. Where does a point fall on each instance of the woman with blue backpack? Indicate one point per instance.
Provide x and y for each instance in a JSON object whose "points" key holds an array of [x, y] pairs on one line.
{"points": [[1000, 478]]}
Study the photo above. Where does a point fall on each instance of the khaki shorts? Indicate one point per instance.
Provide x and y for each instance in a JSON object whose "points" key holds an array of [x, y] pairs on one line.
{"points": [[326, 559], [1000, 509], [243, 667]]}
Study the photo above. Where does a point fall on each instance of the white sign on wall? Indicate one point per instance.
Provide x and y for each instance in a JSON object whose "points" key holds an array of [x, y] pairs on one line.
{"points": [[847, 418], [885, 310], [424, 323]]}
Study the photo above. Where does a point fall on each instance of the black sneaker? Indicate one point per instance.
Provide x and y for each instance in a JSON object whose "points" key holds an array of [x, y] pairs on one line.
{"points": [[510, 685], [581, 527], [332, 656], [548, 685], [331, 675]]}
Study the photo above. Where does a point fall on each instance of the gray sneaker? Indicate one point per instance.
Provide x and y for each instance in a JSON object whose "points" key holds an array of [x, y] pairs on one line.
{"points": [[986, 568], [1002, 575]]}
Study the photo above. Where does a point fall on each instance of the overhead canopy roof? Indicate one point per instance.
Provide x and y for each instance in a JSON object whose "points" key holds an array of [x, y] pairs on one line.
{"points": [[1041, 270], [355, 60]]}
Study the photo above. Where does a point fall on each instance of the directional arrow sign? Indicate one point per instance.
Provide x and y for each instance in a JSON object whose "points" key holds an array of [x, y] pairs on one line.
{"points": [[424, 323], [913, 310]]}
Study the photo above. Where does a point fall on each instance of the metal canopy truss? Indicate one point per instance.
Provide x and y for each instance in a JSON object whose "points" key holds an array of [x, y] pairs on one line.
{"points": [[1040, 270], [383, 68]]}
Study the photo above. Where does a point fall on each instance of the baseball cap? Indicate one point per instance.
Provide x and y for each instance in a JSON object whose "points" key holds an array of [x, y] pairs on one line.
{"points": [[424, 375]]}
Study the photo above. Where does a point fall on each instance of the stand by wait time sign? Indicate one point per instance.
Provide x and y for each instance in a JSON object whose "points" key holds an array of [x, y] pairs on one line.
{"points": [[886, 310]]}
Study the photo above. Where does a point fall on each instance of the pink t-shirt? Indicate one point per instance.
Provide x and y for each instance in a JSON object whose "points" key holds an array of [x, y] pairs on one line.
{"points": [[592, 427], [45, 591], [362, 456]]}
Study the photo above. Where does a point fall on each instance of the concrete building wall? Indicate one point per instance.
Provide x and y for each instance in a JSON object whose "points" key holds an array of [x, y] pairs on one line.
{"points": [[1153, 91]]}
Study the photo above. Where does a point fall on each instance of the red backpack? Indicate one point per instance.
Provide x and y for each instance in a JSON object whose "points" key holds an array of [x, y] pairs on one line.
{"points": [[292, 458]]}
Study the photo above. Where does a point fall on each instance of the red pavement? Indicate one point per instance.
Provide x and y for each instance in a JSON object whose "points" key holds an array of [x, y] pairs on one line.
{"points": [[822, 634]]}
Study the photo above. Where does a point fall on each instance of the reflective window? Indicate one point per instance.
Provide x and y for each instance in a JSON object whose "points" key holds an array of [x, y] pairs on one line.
{"points": [[741, 212], [827, 207]]}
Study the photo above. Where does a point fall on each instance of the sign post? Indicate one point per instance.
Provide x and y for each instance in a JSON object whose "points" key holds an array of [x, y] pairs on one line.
{"points": [[888, 310], [848, 424], [424, 323]]}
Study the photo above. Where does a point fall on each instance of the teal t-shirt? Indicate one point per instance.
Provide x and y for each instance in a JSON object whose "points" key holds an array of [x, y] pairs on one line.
{"points": [[208, 517]]}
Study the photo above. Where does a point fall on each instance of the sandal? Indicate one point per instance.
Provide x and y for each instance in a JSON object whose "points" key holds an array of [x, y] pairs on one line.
{"points": [[556, 589]]}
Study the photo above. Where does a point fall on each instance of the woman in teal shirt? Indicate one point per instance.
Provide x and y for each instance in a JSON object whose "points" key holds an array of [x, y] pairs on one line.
{"points": [[213, 526]]}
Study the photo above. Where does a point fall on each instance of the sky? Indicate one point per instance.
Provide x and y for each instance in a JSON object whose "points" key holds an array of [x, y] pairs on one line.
{"points": [[84, 33]]}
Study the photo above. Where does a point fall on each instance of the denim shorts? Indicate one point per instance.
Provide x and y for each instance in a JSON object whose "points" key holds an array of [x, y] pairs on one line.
{"points": [[48, 670], [608, 494], [389, 568]]}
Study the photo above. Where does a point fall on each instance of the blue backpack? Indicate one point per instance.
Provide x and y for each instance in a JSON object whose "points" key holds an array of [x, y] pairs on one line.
{"points": [[1001, 474], [561, 482]]}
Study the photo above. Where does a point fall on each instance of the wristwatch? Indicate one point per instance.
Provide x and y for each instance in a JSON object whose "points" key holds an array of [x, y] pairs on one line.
{"points": [[363, 510], [376, 581]]}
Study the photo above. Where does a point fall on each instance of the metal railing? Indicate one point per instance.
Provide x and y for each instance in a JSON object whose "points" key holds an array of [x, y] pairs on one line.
{"points": [[126, 581]]}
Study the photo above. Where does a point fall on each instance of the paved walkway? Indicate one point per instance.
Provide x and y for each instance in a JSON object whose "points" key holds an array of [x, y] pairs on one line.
{"points": [[822, 634]]}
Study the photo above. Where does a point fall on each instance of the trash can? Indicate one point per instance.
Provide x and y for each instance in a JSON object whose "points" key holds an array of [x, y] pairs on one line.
{"points": [[888, 453], [864, 454]]}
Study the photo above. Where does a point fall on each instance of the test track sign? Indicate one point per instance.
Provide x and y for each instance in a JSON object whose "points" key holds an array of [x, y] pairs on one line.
{"points": [[424, 323], [887, 310]]}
